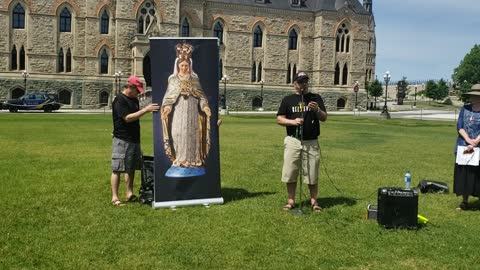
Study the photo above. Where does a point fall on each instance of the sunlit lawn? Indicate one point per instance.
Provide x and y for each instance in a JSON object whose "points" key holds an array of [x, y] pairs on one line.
{"points": [[56, 212]]}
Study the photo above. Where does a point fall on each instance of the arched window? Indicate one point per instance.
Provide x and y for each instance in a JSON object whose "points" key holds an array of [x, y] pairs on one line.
{"points": [[257, 37], [336, 79], [341, 103], [13, 64], [370, 45], [292, 40], [185, 28], [345, 75], [61, 66], [17, 92], [18, 17], [65, 20], [254, 72], [342, 43], [259, 72], [347, 46], [218, 32], [140, 25], [64, 97], [220, 69], [68, 61], [294, 70], [256, 103], [103, 101], [146, 16], [22, 59], [104, 62], [147, 70], [104, 22], [289, 72]]}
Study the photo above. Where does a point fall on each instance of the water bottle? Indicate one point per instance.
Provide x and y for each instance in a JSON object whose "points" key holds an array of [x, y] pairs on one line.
{"points": [[408, 179]]}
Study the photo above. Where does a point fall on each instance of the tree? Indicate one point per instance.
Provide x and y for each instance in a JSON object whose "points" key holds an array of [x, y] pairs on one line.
{"points": [[431, 89], [469, 68], [464, 87], [375, 90], [442, 89]]}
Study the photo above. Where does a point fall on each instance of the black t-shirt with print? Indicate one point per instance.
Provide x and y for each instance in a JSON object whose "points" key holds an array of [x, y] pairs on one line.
{"points": [[291, 107], [121, 107]]}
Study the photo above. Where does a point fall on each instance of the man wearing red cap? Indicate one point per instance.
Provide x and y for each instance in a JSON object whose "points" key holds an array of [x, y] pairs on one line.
{"points": [[301, 114], [126, 151]]}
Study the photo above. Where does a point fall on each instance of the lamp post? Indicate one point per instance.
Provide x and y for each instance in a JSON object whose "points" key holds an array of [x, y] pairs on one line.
{"points": [[25, 76], [224, 105], [118, 78], [415, 102], [355, 89], [385, 113]]}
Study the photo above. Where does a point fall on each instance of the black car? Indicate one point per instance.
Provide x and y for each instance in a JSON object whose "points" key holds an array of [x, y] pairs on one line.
{"points": [[33, 101]]}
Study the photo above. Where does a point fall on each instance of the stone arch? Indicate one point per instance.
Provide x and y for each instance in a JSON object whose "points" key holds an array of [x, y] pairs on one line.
{"points": [[159, 9], [105, 4], [261, 21], [27, 4], [71, 4], [192, 17]]}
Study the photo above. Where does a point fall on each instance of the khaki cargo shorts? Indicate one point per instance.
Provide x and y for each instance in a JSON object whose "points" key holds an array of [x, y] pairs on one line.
{"points": [[126, 156], [292, 160]]}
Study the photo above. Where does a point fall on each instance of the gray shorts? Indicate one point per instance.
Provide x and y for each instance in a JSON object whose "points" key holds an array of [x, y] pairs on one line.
{"points": [[126, 156]]}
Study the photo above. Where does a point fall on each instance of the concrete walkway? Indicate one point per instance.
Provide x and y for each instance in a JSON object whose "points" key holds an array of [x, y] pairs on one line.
{"points": [[420, 114]]}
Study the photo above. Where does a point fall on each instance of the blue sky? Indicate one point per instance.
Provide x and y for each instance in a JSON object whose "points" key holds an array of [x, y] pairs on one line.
{"points": [[424, 39]]}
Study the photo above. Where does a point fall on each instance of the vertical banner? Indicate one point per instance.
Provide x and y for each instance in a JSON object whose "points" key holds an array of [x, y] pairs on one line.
{"points": [[186, 147]]}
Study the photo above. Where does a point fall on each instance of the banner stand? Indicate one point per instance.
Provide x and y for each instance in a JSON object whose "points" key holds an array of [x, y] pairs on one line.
{"points": [[173, 204]]}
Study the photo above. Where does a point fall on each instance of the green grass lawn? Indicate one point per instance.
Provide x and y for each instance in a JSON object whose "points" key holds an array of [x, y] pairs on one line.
{"points": [[56, 212]]}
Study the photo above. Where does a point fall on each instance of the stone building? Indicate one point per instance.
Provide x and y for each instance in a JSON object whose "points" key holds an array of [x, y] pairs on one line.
{"points": [[83, 49]]}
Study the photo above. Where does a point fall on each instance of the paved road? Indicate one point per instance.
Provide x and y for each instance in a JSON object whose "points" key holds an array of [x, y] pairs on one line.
{"points": [[420, 114]]}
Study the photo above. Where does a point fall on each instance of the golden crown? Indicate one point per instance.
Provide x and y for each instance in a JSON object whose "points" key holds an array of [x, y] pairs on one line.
{"points": [[184, 51]]}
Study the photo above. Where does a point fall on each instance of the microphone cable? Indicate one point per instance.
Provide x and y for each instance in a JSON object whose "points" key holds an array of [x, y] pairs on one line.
{"points": [[322, 161]]}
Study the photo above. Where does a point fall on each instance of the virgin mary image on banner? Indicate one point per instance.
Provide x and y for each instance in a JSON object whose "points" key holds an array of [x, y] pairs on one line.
{"points": [[185, 117]]}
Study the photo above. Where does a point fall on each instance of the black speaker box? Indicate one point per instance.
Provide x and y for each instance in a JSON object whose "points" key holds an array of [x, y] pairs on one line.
{"points": [[397, 207]]}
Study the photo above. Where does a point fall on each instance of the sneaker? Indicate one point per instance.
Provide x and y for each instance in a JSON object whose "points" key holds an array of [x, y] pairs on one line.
{"points": [[462, 206]]}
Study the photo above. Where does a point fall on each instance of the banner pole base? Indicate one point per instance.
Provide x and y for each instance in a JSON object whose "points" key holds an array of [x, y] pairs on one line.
{"points": [[174, 204]]}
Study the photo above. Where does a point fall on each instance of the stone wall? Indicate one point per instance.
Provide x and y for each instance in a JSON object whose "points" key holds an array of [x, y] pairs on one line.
{"points": [[315, 51]]}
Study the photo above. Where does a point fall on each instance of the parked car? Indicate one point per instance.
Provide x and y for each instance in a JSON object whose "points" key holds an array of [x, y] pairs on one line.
{"points": [[33, 101]]}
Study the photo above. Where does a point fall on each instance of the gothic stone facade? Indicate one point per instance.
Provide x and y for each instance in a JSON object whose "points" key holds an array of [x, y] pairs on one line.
{"points": [[76, 48]]}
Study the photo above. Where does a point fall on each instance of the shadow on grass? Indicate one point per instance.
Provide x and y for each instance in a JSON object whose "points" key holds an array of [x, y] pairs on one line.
{"points": [[332, 201], [235, 194]]}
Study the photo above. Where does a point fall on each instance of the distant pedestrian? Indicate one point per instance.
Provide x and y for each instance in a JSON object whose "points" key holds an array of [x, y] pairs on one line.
{"points": [[126, 151], [466, 180], [301, 114]]}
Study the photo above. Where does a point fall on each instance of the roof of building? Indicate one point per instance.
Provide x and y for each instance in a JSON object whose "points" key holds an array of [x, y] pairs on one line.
{"points": [[306, 5]]}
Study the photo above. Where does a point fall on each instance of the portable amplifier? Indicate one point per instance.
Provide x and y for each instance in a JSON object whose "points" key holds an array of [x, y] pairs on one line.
{"points": [[397, 207]]}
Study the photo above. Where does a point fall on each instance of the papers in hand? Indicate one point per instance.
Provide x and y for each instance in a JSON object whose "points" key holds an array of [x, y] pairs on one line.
{"points": [[468, 157]]}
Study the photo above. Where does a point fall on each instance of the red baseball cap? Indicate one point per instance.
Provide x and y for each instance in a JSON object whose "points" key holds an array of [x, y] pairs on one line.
{"points": [[134, 80]]}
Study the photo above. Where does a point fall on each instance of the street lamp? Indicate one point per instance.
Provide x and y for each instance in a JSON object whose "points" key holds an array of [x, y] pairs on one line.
{"points": [[415, 102], [25, 76], [118, 78], [385, 113], [224, 80], [355, 89]]}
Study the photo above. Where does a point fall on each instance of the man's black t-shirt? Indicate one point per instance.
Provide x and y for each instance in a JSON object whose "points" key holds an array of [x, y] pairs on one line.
{"points": [[292, 108], [121, 107]]}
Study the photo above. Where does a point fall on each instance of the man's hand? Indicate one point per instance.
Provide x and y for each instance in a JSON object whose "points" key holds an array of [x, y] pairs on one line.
{"points": [[313, 106], [152, 107], [297, 121]]}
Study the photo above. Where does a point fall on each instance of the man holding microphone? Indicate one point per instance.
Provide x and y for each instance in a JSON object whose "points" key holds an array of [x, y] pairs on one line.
{"points": [[301, 114]]}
